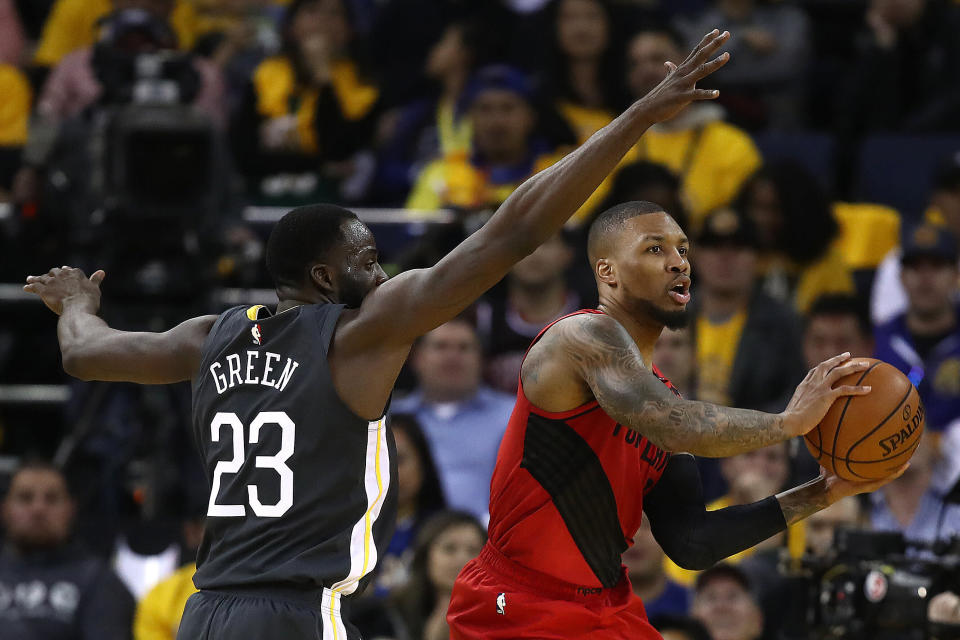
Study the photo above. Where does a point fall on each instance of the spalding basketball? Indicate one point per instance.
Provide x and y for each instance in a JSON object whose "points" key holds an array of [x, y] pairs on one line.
{"points": [[869, 437]]}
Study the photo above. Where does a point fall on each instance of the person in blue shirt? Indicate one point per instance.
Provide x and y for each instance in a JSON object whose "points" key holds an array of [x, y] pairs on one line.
{"points": [[924, 342], [463, 420], [648, 576], [916, 503]]}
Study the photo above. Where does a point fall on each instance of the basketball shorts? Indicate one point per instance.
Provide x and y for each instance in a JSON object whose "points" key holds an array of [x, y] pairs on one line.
{"points": [[495, 598], [249, 613]]}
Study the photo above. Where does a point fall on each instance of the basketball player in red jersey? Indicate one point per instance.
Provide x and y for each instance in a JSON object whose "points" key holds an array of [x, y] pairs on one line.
{"points": [[587, 450]]}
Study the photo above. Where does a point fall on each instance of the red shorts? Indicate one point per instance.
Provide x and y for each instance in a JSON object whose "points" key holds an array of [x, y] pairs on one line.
{"points": [[495, 598]]}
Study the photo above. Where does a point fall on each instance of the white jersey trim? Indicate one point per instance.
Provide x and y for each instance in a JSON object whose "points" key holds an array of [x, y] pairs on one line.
{"points": [[333, 627], [363, 548]]}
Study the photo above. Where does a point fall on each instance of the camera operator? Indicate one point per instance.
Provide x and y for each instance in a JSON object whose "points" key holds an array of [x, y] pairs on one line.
{"points": [[76, 85]]}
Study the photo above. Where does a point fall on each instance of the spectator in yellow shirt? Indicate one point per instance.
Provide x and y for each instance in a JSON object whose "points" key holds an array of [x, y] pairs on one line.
{"points": [[711, 158], [159, 612], [506, 149]]}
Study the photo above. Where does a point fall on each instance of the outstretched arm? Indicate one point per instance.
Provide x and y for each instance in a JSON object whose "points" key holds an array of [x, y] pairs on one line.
{"points": [[91, 350], [598, 352], [695, 538], [415, 302]]}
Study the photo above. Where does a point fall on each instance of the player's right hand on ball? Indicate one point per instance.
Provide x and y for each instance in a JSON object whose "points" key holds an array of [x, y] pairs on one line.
{"points": [[812, 399]]}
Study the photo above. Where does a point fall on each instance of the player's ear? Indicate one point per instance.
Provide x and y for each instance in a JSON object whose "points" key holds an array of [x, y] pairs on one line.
{"points": [[323, 278], [606, 272]]}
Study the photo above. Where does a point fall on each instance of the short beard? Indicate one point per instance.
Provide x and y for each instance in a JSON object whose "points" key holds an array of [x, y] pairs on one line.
{"points": [[670, 319]]}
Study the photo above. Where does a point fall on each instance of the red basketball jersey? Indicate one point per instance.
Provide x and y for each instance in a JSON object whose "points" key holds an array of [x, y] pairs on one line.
{"points": [[566, 496]]}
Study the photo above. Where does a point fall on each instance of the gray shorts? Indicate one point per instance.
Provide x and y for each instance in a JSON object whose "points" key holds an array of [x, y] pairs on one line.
{"points": [[264, 613]]}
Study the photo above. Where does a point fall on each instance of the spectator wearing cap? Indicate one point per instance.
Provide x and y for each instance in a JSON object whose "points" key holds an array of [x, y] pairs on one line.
{"points": [[49, 587], [747, 344], [309, 112], [724, 603], [924, 341], [506, 148], [888, 298], [711, 157]]}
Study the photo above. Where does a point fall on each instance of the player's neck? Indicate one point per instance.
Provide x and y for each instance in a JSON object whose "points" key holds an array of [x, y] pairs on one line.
{"points": [[644, 334], [289, 300]]}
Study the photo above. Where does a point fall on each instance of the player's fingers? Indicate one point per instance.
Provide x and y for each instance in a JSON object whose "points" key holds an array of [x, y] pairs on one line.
{"points": [[830, 363], [670, 66], [851, 390], [98, 276], [705, 53], [703, 42], [31, 288], [705, 94], [845, 369], [707, 68]]}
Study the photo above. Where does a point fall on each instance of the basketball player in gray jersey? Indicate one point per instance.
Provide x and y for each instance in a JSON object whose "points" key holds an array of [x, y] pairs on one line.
{"points": [[289, 406]]}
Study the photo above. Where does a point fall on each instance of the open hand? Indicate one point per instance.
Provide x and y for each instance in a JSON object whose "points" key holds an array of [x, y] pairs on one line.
{"points": [[67, 285], [679, 88], [815, 395]]}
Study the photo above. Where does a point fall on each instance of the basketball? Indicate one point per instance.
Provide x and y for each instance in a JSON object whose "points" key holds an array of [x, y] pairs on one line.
{"points": [[869, 437]]}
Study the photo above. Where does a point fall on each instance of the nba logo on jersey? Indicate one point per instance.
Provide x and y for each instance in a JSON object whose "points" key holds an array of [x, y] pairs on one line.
{"points": [[502, 603], [255, 330]]}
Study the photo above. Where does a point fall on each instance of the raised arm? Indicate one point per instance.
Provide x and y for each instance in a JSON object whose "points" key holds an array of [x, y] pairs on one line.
{"points": [[596, 353], [92, 350], [417, 301], [695, 538]]}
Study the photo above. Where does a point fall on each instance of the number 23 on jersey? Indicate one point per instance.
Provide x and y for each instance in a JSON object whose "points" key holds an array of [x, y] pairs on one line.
{"points": [[277, 462]]}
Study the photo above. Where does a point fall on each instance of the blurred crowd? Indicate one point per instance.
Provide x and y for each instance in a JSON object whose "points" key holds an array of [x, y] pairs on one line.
{"points": [[156, 138]]}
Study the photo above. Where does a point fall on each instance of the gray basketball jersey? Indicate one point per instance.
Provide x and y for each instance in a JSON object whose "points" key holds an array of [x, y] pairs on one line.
{"points": [[302, 489]]}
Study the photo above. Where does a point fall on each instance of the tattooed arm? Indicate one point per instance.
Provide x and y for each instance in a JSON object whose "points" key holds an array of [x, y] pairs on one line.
{"points": [[592, 356], [695, 538]]}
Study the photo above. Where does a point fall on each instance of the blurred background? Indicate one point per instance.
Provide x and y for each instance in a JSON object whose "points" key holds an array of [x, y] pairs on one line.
{"points": [[160, 139]]}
